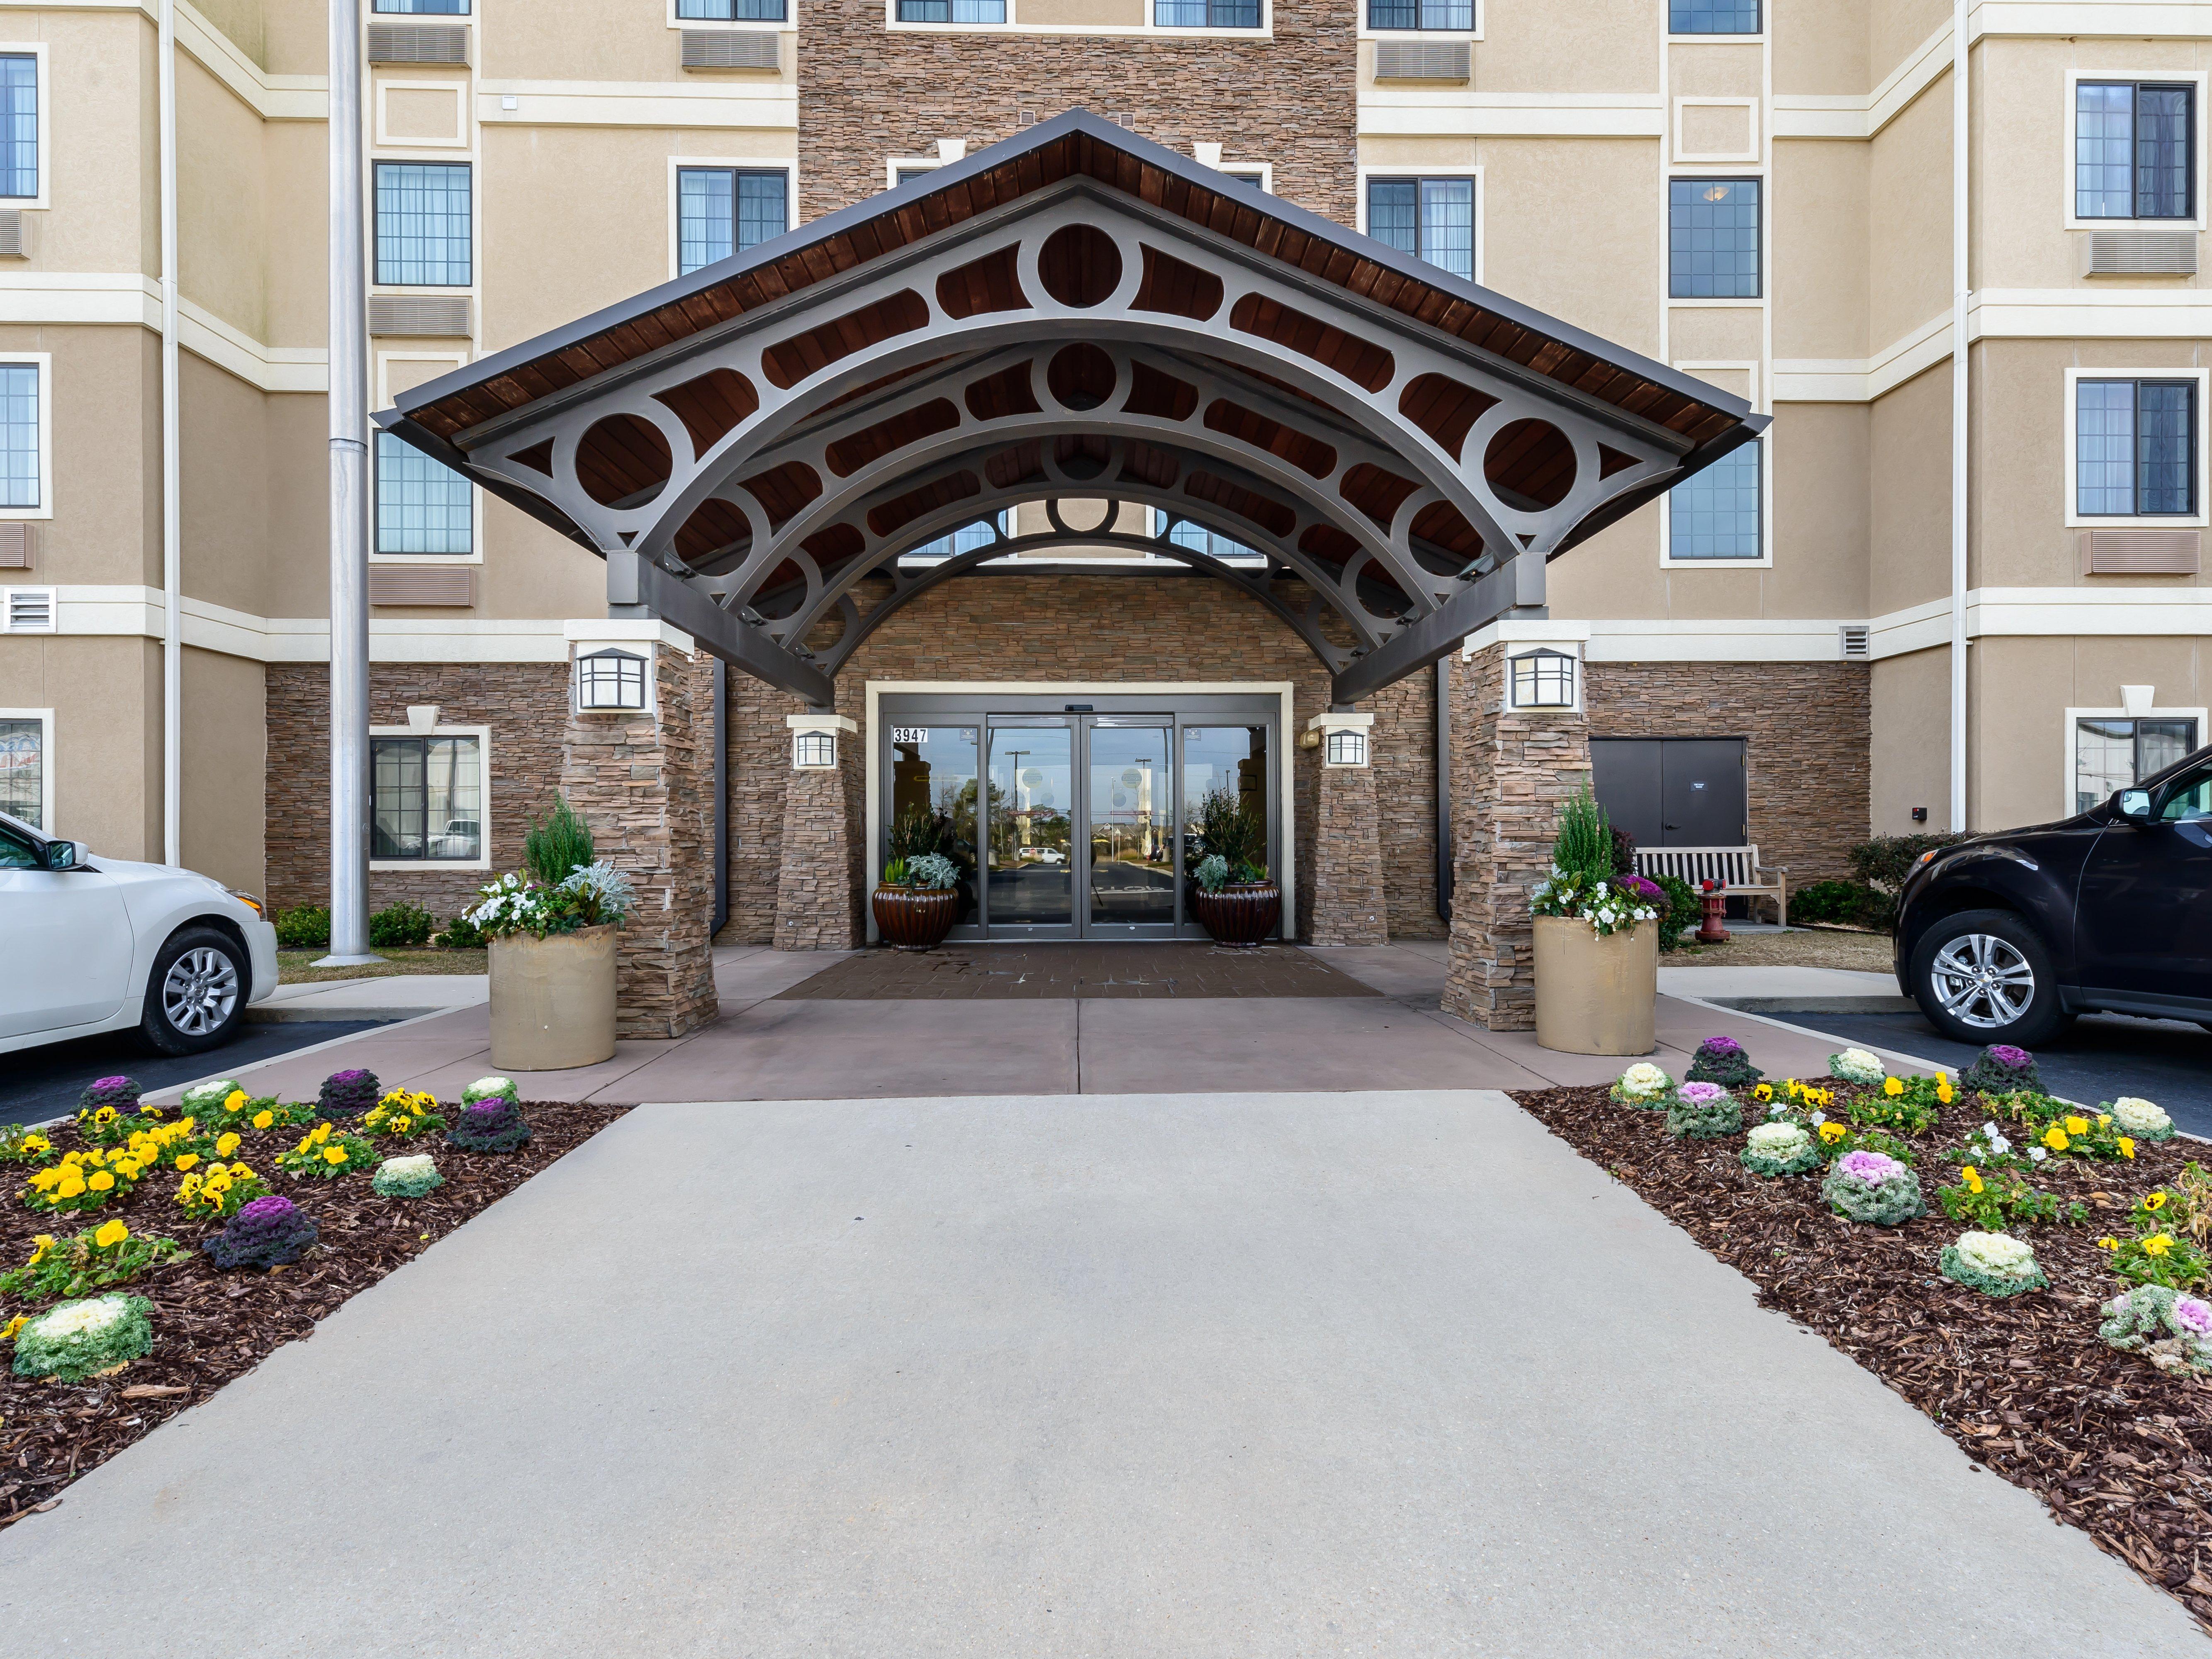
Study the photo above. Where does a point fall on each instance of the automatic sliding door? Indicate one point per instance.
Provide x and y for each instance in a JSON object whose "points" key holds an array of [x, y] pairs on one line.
{"points": [[1129, 820], [1032, 850]]}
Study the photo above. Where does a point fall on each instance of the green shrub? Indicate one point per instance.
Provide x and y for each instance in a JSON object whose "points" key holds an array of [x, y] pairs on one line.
{"points": [[1584, 846], [398, 924], [1686, 909], [1852, 903], [461, 934], [1229, 829], [304, 929], [558, 844], [1882, 864]]}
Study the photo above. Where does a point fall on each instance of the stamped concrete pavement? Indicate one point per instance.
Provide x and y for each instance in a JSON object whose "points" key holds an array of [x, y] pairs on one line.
{"points": [[1162, 1375]]}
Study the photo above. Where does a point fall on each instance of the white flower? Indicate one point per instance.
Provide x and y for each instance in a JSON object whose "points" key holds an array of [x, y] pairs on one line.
{"points": [[2037, 1153], [1778, 1109], [1819, 1118], [1997, 1253], [2139, 1117]]}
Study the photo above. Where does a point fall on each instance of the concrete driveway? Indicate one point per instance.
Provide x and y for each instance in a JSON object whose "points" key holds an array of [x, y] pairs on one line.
{"points": [[1118, 1374]]}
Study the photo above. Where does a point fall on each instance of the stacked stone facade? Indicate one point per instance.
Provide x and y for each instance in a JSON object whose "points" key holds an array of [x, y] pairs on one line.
{"points": [[1347, 906], [823, 879]]}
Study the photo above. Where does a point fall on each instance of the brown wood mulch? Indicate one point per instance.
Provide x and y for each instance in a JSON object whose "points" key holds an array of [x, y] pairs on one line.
{"points": [[211, 1327], [2023, 1384]]}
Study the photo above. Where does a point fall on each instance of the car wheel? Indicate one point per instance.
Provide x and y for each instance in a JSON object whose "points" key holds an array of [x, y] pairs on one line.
{"points": [[196, 995], [1983, 976]]}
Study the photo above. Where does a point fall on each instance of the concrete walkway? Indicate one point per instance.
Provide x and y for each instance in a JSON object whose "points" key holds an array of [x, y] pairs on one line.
{"points": [[1392, 1374], [394, 996], [763, 1048]]}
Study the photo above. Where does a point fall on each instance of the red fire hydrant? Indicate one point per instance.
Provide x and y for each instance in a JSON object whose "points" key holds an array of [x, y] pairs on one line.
{"points": [[1714, 932]]}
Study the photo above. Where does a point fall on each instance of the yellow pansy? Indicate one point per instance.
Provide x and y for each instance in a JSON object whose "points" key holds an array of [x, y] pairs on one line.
{"points": [[225, 1144], [1764, 1091], [240, 1172], [1892, 1086], [2108, 1243], [1972, 1177], [2077, 1126], [8, 1331], [185, 1160], [264, 1119], [101, 1182], [1832, 1132], [334, 1154], [235, 1101], [2127, 1147], [104, 1115], [42, 1246], [2155, 1202], [2055, 1138], [2157, 1244], [321, 1134], [110, 1235]]}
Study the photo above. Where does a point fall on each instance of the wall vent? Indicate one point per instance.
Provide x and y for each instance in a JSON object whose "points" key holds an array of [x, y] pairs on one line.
{"points": [[1026, 119], [2141, 552], [731, 49], [2139, 253], [15, 545], [15, 234], [30, 610], [1421, 60], [1857, 640], [400, 584], [419, 315], [417, 43]]}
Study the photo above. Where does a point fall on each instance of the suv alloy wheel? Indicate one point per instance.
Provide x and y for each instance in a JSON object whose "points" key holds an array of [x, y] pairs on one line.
{"points": [[1983, 976]]}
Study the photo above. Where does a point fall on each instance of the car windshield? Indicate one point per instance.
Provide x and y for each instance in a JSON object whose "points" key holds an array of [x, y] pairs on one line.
{"points": [[16, 854], [2189, 797]]}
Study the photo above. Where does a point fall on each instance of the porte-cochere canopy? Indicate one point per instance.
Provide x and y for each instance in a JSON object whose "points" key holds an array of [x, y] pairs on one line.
{"points": [[1072, 315]]}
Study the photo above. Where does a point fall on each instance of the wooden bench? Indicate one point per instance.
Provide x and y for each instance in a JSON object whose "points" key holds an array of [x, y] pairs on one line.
{"points": [[1736, 868]]}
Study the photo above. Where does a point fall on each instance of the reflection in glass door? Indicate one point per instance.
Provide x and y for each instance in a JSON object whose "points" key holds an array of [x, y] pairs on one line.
{"points": [[933, 776], [1032, 852], [1129, 815]]}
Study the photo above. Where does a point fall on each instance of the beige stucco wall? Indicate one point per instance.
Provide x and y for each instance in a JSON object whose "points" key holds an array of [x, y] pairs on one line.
{"points": [[1897, 29], [1910, 757], [1909, 174], [1909, 484], [1605, 275], [1818, 206], [1819, 47], [105, 696], [582, 40], [1535, 44], [225, 735], [101, 161]]}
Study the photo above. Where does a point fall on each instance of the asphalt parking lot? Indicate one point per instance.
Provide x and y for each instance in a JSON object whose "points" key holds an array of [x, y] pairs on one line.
{"points": [[37, 1084]]}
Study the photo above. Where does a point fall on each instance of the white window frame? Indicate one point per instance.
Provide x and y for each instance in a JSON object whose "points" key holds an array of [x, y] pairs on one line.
{"points": [[2197, 78], [460, 140], [483, 735], [1704, 370], [2199, 519], [1367, 33], [445, 362], [676, 164], [467, 158], [46, 719], [2073, 739], [45, 197], [1668, 35], [44, 360], [1013, 24], [788, 25], [1414, 170]]}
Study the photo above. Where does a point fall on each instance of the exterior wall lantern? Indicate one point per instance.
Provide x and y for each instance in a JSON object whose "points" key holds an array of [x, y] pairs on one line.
{"points": [[1341, 736], [610, 681], [814, 740], [614, 663], [1544, 678]]}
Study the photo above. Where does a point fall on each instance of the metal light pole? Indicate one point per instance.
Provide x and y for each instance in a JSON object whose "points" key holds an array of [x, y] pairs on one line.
{"points": [[349, 502]]}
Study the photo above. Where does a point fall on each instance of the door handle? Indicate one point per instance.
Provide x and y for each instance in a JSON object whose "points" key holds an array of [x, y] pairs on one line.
{"points": [[1670, 826]]}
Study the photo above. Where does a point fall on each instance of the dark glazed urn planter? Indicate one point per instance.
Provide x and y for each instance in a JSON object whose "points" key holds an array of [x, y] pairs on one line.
{"points": [[915, 918], [1242, 913]]}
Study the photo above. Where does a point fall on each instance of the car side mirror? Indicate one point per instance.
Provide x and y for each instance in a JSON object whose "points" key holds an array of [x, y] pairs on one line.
{"points": [[2133, 803], [63, 855]]}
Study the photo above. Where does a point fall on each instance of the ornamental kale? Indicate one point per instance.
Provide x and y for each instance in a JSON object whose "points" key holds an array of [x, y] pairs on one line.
{"points": [[1644, 1084], [269, 1233], [1704, 1111], [406, 1177], [1995, 1264], [1858, 1065], [348, 1094], [2173, 1331], [109, 1109], [494, 1125], [490, 1088], [1721, 1059], [2001, 1069], [120, 1092], [1873, 1187], [1779, 1149], [80, 1340], [2140, 1118]]}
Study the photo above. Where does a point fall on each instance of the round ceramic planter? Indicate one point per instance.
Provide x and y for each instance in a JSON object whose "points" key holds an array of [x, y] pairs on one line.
{"points": [[553, 1000], [914, 918], [1596, 994], [1242, 913]]}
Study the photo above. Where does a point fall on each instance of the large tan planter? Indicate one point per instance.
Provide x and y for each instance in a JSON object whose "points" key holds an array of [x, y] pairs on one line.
{"points": [[553, 1000], [1596, 995]]}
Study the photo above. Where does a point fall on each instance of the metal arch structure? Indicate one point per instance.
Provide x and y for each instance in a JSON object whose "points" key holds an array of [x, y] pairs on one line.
{"points": [[1075, 343]]}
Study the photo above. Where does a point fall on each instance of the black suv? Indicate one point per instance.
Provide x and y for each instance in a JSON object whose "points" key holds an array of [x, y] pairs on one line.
{"points": [[2005, 938]]}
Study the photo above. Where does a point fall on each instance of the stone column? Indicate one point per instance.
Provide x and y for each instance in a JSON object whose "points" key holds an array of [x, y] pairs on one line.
{"points": [[1511, 769], [643, 779], [1346, 906], [819, 903]]}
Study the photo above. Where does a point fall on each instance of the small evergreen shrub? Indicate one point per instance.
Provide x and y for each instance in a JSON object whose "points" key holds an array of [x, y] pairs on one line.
{"points": [[269, 1233], [1775, 1150], [1644, 1084], [1704, 1111], [109, 1254], [493, 1124], [398, 926], [1851, 903], [348, 1094], [304, 927], [557, 845], [2001, 1069], [80, 1340], [1995, 1264], [461, 934], [2171, 1330], [1721, 1059], [406, 1177], [1873, 1187]]}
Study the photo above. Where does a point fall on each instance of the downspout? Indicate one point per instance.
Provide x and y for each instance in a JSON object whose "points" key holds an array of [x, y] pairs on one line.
{"points": [[1961, 295], [173, 530]]}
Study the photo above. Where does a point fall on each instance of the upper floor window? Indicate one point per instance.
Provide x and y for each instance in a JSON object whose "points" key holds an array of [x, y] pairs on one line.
{"points": [[423, 506], [1198, 540], [2135, 448], [1713, 239], [1206, 13], [423, 224], [720, 211], [731, 11], [2135, 150], [20, 462], [969, 539], [1431, 219], [19, 124], [1717, 513], [953, 11], [1712, 17], [424, 8], [1455, 16]]}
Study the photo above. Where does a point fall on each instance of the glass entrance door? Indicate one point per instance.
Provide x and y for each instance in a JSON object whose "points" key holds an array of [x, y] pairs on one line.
{"points": [[1032, 817], [1129, 814]]}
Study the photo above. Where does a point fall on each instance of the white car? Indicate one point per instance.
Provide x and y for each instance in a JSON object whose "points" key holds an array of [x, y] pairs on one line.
{"points": [[102, 945]]}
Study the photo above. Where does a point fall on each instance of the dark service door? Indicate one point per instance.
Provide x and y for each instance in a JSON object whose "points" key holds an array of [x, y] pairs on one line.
{"points": [[1673, 792]]}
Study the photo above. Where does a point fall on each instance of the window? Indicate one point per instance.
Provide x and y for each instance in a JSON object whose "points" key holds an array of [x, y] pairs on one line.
{"points": [[731, 11], [969, 539], [19, 124], [2135, 448], [1716, 515], [2189, 797], [425, 8], [23, 770], [1198, 540], [422, 229], [1431, 219], [1713, 239], [1455, 16], [2135, 151], [1206, 13], [720, 211], [953, 11], [1712, 17], [2112, 755], [908, 175], [20, 462], [428, 798], [423, 506]]}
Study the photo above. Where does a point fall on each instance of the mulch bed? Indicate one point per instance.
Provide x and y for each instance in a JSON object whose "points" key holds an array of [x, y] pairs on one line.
{"points": [[210, 1327], [2023, 1384]]}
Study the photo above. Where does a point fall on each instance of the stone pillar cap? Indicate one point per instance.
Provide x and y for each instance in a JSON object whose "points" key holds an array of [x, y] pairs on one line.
{"points": [[1333, 720], [821, 723]]}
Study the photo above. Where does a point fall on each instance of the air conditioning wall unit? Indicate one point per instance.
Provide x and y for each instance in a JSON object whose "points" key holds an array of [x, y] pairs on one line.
{"points": [[1856, 641], [2139, 253], [15, 545], [731, 49], [417, 43], [1422, 60], [2141, 552], [28, 610], [14, 233], [400, 584], [420, 316]]}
